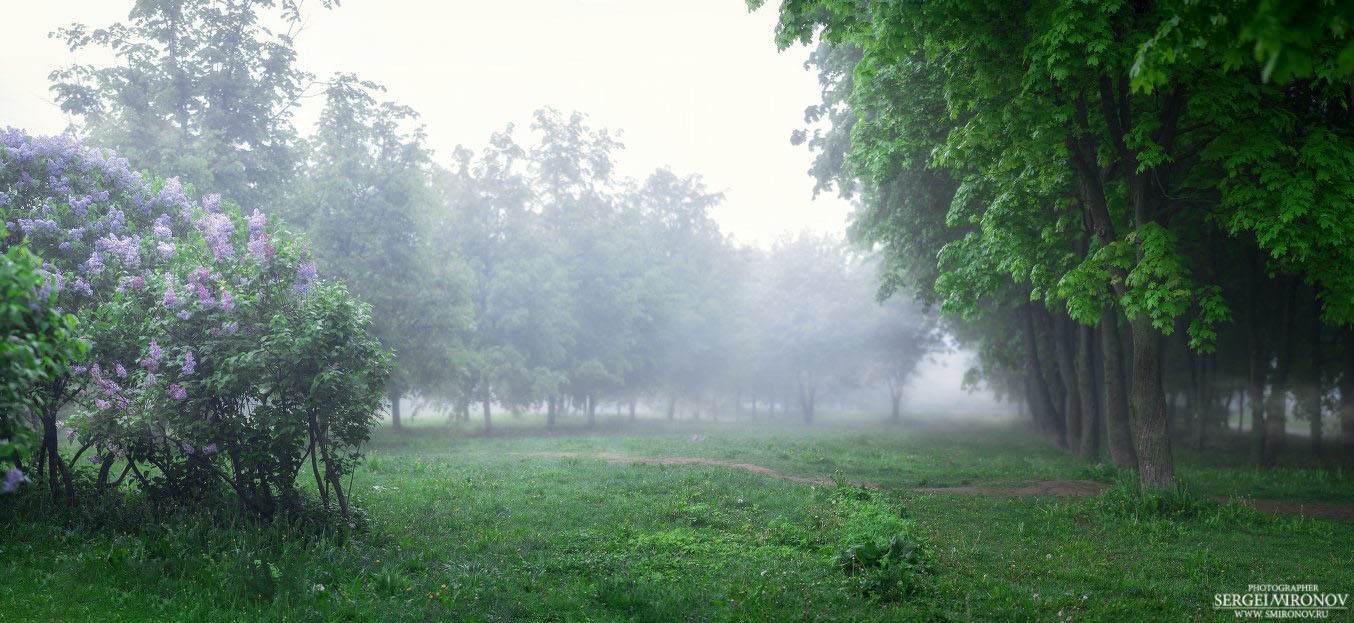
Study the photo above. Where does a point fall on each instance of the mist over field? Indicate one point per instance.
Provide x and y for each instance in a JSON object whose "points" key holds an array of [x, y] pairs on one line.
{"points": [[676, 311]]}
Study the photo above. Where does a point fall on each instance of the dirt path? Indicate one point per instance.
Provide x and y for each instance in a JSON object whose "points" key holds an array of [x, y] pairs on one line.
{"points": [[612, 457], [1056, 487]]}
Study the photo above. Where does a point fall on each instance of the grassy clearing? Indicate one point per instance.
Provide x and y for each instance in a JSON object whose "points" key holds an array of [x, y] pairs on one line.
{"points": [[467, 528]]}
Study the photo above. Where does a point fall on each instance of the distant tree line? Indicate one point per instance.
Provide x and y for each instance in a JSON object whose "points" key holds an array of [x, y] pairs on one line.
{"points": [[1137, 213], [527, 275]]}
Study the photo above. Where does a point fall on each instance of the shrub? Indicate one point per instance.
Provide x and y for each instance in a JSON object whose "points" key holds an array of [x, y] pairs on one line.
{"points": [[38, 346], [218, 358]]}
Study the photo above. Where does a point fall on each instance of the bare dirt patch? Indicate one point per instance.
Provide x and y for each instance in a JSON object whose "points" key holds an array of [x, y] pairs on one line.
{"points": [[1056, 487], [1062, 488], [612, 457], [1289, 507]]}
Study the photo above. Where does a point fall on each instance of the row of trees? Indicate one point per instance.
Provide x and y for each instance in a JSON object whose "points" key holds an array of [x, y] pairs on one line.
{"points": [[524, 274], [1130, 209]]}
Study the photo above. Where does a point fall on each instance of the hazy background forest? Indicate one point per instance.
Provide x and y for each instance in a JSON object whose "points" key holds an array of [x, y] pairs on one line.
{"points": [[600, 309]]}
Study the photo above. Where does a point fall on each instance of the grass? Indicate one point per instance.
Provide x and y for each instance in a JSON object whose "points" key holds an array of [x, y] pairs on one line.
{"points": [[464, 527]]}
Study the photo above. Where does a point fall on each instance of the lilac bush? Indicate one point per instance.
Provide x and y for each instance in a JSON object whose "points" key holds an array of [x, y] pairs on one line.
{"points": [[197, 318]]}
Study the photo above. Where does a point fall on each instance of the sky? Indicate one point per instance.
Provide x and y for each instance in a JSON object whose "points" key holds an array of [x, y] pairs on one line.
{"points": [[696, 85]]}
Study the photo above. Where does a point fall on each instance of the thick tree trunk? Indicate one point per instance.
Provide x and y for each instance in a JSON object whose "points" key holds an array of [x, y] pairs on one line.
{"points": [[1118, 430], [394, 395], [1087, 391], [1037, 392], [1151, 436], [1064, 344]]}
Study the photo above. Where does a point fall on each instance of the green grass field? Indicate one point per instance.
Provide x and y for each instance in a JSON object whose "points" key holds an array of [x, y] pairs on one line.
{"points": [[528, 526]]}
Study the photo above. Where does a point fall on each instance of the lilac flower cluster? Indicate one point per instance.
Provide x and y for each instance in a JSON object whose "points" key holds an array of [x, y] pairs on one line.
{"points": [[305, 277], [12, 479], [216, 228]]}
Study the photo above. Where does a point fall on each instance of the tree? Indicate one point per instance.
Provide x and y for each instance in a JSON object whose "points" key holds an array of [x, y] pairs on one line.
{"points": [[201, 88], [367, 203]]}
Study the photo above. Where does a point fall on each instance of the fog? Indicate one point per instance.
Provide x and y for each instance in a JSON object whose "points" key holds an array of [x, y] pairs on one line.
{"points": [[560, 205]]}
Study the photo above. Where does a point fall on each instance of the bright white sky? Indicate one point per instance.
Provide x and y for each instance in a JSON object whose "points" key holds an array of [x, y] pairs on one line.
{"points": [[693, 84]]}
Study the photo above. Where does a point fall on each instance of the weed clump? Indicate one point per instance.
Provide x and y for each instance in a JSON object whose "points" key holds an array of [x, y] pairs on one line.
{"points": [[879, 549]]}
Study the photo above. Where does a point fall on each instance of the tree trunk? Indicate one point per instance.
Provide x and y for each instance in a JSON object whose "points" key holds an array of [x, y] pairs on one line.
{"points": [[672, 408], [1087, 390], [592, 410], [896, 396], [1036, 390], [1317, 391], [1118, 431], [1347, 391], [632, 409], [394, 407], [1064, 345], [488, 418], [1151, 435], [551, 407]]}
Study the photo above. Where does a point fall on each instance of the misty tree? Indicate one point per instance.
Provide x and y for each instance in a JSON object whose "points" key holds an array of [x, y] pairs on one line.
{"points": [[366, 201], [199, 88], [520, 328]]}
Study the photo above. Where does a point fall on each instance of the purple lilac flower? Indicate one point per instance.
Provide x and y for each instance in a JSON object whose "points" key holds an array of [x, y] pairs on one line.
{"points": [[189, 364], [82, 286], [184, 314], [261, 249], [70, 436], [216, 229], [198, 282], [126, 250], [78, 369], [212, 203], [256, 222], [101, 403], [150, 379], [305, 274], [12, 479], [171, 299], [187, 448], [94, 459], [172, 193], [177, 391], [153, 357], [227, 301], [161, 227], [166, 249], [93, 265], [121, 371], [209, 449]]}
